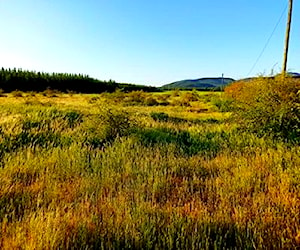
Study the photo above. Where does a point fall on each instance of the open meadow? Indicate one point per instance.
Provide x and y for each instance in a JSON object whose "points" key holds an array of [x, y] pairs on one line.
{"points": [[169, 170]]}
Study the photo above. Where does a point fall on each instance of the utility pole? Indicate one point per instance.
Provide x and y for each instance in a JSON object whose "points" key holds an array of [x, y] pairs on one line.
{"points": [[287, 37]]}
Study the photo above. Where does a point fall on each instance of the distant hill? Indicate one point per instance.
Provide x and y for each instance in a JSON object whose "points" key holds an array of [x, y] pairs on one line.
{"points": [[201, 83]]}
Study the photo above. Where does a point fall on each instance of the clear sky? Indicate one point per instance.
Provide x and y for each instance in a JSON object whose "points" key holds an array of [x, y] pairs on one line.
{"points": [[151, 42]]}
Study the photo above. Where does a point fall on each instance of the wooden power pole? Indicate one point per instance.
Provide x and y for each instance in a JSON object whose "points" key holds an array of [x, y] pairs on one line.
{"points": [[287, 37]]}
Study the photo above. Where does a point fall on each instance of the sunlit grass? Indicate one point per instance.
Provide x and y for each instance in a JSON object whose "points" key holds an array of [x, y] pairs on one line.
{"points": [[183, 179]]}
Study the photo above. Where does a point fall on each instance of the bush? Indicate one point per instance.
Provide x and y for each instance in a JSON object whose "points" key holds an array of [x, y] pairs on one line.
{"points": [[104, 128], [136, 97], [268, 106], [186, 98], [116, 123]]}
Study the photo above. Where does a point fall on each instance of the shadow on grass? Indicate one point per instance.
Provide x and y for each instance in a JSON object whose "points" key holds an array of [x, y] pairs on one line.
{"points": [[38, 134], [13, 205], [163, 117], [158, 232], [209, 143]]}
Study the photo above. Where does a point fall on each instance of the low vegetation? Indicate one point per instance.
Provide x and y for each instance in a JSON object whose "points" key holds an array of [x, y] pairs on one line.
{"points": [[150, 170], [268, 106]]}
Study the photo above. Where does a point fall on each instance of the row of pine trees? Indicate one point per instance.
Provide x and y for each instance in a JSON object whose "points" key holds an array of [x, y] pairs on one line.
{"points": [[24, 80]]}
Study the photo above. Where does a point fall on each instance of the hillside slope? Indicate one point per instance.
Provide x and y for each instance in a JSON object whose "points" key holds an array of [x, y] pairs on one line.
{"points": [[201, 83]]}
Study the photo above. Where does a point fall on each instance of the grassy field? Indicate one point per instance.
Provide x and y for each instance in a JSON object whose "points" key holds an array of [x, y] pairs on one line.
{"points": [[141, 171]]}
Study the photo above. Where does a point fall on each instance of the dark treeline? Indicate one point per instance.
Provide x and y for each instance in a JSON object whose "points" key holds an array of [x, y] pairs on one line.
{"points": [[23, 80]]}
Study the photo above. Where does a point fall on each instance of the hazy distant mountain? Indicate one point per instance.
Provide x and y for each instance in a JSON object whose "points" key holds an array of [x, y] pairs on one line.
{"points": [[202, 83]]}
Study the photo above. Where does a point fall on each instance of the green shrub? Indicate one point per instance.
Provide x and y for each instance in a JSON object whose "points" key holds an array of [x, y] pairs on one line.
{"points": [[116, 123], [104, 128], [268, 106], [136, 97]]}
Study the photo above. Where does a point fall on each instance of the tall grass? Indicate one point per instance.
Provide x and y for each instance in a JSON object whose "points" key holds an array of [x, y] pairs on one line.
{"points": [[126, 177]]}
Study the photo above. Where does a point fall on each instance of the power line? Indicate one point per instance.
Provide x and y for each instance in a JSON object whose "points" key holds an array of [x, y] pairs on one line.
{"points": [[268, 41]]}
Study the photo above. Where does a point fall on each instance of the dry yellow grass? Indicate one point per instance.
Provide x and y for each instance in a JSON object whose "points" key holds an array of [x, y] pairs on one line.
{"points": [[191, 180]]}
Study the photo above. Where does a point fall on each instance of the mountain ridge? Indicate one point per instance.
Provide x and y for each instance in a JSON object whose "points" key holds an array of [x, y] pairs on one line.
{"points": [[200, 83]]}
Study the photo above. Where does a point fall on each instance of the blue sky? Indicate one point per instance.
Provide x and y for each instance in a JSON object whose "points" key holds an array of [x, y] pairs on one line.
{"points": [[147, 42]]}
